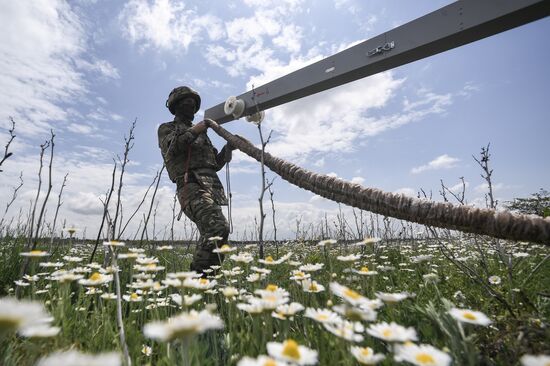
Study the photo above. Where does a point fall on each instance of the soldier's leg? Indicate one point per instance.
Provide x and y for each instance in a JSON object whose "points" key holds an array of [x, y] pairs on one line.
{"points": [[200, 207]]}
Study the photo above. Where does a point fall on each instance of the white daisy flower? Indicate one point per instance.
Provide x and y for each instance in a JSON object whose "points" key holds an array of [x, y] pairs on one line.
{"points": [[260, 361], [323, 315], [470, 316], [346, 330], [74, 357], [366, 355], [421, 355], [291, 351], [392, 332], [535, 360], [182, 326], [392, 297]]}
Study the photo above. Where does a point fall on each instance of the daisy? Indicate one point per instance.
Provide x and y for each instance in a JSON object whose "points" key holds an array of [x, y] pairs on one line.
{"points": [[312, 286], [69, 258], [147, 350], [289, 309], [39, 331], [260, 361], [183, 275], [326, 242], [17, 314], [311, 267], [199, 283], [114, 243], [35, 253], [74, 357], [347, 294], [298, 275], [422, 258], [346, 330], [349, 258], [535, 360], [254, 277], [251, 308], [392, 297], [291, 351], [470, 316], [364, 271], [421, 355], [270, 261], [323, 315], [133, 297], [495, 280], [354, 313], [366, 356], [96, 279], [165, 247], [182, 326], [243, 257], [392, 332], [225, 249]]}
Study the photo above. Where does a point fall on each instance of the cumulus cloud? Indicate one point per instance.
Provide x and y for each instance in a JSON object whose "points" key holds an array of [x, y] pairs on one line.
{"points": [[43, 63], [441, 162], [407, 191], [167, 25]]}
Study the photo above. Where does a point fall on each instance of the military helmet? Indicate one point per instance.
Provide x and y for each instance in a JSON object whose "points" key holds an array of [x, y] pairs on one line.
{"points": [[179, 93]]}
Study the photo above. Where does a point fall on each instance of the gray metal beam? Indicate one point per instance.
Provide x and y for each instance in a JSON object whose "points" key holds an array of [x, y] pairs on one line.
{"points": [[454, 25]]}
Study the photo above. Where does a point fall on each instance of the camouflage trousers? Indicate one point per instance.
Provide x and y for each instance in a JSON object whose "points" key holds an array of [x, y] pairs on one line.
{"points": [[200, 207]]}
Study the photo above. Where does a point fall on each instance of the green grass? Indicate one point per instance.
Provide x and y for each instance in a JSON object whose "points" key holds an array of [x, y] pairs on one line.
{"points": [[88, 323]]}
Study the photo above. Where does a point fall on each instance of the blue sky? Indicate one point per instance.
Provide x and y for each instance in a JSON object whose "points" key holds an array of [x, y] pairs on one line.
{"points": [[87, 69]]}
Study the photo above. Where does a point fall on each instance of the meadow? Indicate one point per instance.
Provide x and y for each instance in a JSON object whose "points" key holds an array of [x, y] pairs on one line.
{"points": [[437, 300]]}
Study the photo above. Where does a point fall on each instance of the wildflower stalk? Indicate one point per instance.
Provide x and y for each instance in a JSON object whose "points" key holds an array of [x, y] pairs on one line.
{"points": [[122, 334]]}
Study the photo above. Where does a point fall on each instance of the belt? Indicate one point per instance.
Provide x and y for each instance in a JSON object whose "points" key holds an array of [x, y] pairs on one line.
{"points": [[180, 181]]}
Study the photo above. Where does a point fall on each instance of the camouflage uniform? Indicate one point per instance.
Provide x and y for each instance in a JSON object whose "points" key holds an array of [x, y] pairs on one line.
{"points": [[202, 194]]}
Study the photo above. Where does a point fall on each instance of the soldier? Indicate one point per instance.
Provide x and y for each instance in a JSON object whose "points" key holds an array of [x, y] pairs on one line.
{"points": [[192, 162]]}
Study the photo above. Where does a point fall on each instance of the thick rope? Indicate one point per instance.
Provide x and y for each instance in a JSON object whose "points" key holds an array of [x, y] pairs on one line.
{"points": [[498, 224]]}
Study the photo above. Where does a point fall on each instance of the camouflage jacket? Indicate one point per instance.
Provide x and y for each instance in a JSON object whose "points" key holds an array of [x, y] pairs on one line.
{"points": [[177, 142]]}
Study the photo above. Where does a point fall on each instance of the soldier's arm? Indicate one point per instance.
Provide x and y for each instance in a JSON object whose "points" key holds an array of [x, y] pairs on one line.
{"points": [[173, 141], [223, 156]]}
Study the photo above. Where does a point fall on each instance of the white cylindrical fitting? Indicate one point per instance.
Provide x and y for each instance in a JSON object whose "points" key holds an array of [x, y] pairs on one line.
{"points": [[256, 118], [234, 106]]}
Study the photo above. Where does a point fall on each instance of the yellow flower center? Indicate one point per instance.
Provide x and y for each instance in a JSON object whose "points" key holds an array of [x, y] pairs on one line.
{"points": [[352, 294], [366, 351], [95, 276], [36, 252], [203, 281], [313, 287], [225, 247], [469, 316], [364, 269], [425, 359], [300, 274], [269, 258], [151, 265], [134, 296], [387, 332], [270, 362], [290, 349], [322, 317], [271, 288]]}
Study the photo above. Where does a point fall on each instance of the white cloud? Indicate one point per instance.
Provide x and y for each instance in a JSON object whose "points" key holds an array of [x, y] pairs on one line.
{"points": [[40, 41], [407, 191], [44, 60], [441, 162], [358, 180], [484, 187], [167, 24]]}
